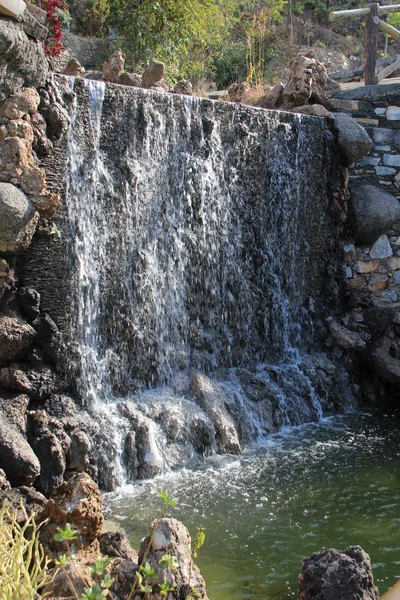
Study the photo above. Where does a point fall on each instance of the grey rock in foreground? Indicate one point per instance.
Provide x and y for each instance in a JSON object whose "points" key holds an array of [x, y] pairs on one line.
{"points": [[18, 219], [335, 575], [353, 140], [371, 211]]}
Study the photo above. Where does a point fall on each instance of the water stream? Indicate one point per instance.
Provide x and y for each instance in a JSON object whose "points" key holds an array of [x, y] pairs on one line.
{"points": [[316, 486]]}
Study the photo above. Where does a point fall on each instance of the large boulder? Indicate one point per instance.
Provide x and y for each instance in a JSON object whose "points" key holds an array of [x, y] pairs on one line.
{"points": [[17, 458], [354, 142], [308, 82], [114, 66], [16, 336], [386, 367], [335, 575], [371, 211], [153, 74], [78, 502], [22, 60], [18, 219], [169, 536], [212, 398], [23, 102], [349, 340]]}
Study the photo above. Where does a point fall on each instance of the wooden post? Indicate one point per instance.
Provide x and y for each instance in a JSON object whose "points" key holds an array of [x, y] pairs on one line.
{"points": [[371, 44]]}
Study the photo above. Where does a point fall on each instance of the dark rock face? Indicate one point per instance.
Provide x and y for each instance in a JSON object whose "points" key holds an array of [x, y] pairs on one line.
{"points": [[16, 336], [371, 212], [22, 60], [116, 543], [17, 458], [334, 575]]}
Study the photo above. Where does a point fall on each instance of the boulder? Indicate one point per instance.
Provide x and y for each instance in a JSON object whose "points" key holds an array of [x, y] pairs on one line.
{"points": [[41, 143], [308, 83], [16, 336], [132, 79], [316, 110], [161, 86], [25, 501], [69, 582], [18, 219], [153, 73], [77, 501], [272, 98], [236, 91], [29, 301], [183, 87], [354, 142], [17, 458], [78, 458], [5, 485], [23, 102], [114, 66], [49, 450], [12, 378], [371, 211], [74, 68], [349, 340], [335, 575], [169, 536], [385, 366], [22, 60], [49, 338], [116, 543], [211, 398]]}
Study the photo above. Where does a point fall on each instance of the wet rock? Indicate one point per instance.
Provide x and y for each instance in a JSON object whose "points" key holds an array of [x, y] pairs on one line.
{"points": [[24, 102], [371, 211], [386, 366], [74, 68], [116, 543], [132, 79], [78, 502], [331, 574], [54, 102], [114, 67], [41, 143], [171, 537], [49, 451], [29, 301], [18, 219], [16, 336], [354, 142], [43, 382], [153, 73], [22, 60], [272, 98], [78, 458], [183, 87], [349, 340], [48, 338], [17, 458], [308, 82], [211, 398], [25, 501]]}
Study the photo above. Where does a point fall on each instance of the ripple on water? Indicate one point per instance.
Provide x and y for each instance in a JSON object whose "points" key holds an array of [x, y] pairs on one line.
{"points": [[329, 485]]}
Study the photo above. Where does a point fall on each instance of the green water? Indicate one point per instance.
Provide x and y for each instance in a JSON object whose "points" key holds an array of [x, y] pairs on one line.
{"points": [[333, 484]]}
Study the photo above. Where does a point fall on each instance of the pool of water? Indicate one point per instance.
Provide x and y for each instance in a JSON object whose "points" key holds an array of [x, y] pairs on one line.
{"points": [[332, 484]]}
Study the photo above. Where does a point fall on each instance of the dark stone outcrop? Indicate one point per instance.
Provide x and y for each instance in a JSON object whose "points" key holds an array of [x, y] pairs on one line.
{"points": [[17, 458], [29, 300], [116, 543], [371, 211], [335, 575], [25, 500], [22, 60]]}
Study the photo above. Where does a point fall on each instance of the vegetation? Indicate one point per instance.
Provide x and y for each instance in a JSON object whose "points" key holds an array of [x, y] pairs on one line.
{"points": [[23, 567]]}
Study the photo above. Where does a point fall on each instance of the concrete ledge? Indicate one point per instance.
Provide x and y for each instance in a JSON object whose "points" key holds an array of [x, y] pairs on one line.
{"points": [[12, 8]]}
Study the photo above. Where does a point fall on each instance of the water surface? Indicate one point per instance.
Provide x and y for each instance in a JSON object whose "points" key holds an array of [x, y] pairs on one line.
{"points": [[332, 484]]}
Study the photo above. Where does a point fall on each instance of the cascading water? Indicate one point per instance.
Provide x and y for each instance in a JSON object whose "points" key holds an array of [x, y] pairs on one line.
{"points": [[199, 238]]}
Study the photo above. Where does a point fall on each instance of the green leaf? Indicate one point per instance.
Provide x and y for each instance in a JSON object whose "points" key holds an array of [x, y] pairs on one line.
{"points": [[166, 499], [65, 535]]}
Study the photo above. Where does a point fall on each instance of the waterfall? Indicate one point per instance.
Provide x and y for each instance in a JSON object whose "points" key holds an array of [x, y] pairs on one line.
{"points": [[199, 242]]}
